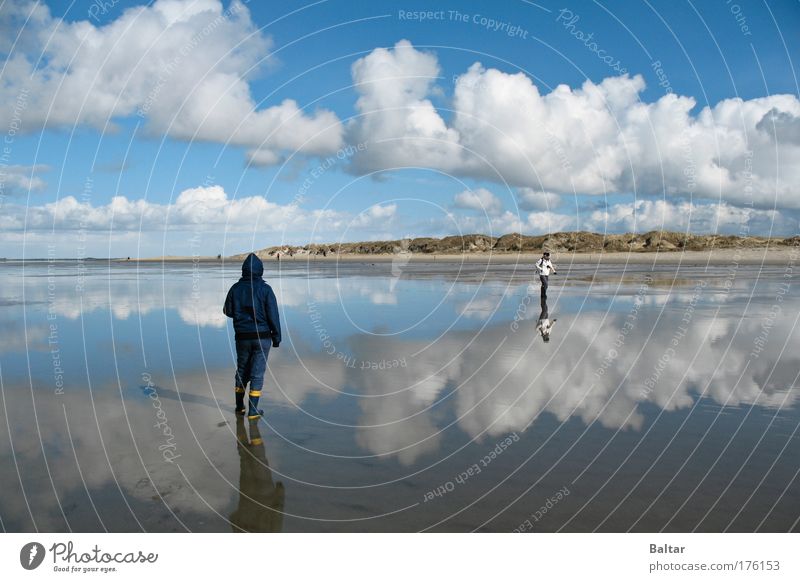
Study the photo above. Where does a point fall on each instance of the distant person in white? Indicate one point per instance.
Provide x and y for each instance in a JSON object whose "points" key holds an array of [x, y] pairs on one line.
{"points": [[545, 324], [544, 267]]}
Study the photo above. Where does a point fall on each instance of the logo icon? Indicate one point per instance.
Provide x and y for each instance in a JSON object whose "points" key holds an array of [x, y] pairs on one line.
{"points": [[31, 555]]}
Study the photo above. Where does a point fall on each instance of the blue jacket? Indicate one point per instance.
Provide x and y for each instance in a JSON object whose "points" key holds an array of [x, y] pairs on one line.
{"points": [[252, 304]]}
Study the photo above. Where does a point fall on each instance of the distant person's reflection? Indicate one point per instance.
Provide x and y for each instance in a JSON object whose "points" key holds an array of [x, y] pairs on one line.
{"points": [[260, 506], [545, 324]]}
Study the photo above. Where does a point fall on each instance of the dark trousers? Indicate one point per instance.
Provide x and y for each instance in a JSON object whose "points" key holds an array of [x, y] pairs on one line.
{"points": [[251, 362], [543, 279]]}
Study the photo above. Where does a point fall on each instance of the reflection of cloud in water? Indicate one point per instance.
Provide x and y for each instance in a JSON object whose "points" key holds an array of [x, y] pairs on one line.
{"points": [[198, 412], [480, 308], [130, 439], [497, 393], [197, 305], [496, 381], [382, 298], [14, 336]]}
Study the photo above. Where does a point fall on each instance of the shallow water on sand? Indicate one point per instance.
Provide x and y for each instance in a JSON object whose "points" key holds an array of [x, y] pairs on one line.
{"points": [[403, 397]]}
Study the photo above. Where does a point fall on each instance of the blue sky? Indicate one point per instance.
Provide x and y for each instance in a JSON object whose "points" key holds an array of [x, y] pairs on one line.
{"points": [[286, 121]]}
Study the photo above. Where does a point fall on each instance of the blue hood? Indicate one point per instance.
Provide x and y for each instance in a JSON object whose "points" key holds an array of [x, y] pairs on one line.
{"points": [[252, 305], [252, 267]]}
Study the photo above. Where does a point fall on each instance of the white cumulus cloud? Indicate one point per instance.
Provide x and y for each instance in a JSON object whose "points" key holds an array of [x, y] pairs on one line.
{"points": [[376, 214], [637, 216], [646, 215], [530, 199], [15, 179], [479, 199], [596, 139], [206, 208], [182, 65]]}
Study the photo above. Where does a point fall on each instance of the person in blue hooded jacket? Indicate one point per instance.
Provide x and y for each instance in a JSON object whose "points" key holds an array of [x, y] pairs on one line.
{"points": [[252, 305]]}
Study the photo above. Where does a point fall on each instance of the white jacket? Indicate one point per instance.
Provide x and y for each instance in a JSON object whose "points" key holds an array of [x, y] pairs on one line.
{"points": [[544, 267], [543, 326]]}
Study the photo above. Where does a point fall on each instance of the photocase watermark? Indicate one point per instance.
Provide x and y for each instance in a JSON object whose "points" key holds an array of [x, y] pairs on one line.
{"points": [[558, 147], [169, 446], [680, 332], [194, 243], [53, 343], [101, 8], [328, 346], [661, 75], [169, 69], [522, 308], [487, 22], [349, 361], [472, 470], [748, 176], [539, 514], [630, 322], [421, 15], [502, 26], [686, 138], [14, 127], [323, 166], [568, 20], [744, 227], [15, 123], [776, 311], [83, 224], [95, 560], [690, 168], [739, 16]]}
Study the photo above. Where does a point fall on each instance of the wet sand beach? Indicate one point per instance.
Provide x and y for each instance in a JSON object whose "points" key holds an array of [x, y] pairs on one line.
{"points": [[403, 398]]}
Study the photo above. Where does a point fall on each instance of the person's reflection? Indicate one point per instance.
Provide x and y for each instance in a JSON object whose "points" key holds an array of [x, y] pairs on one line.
{"points": [[545, 324], [260, 506]]}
